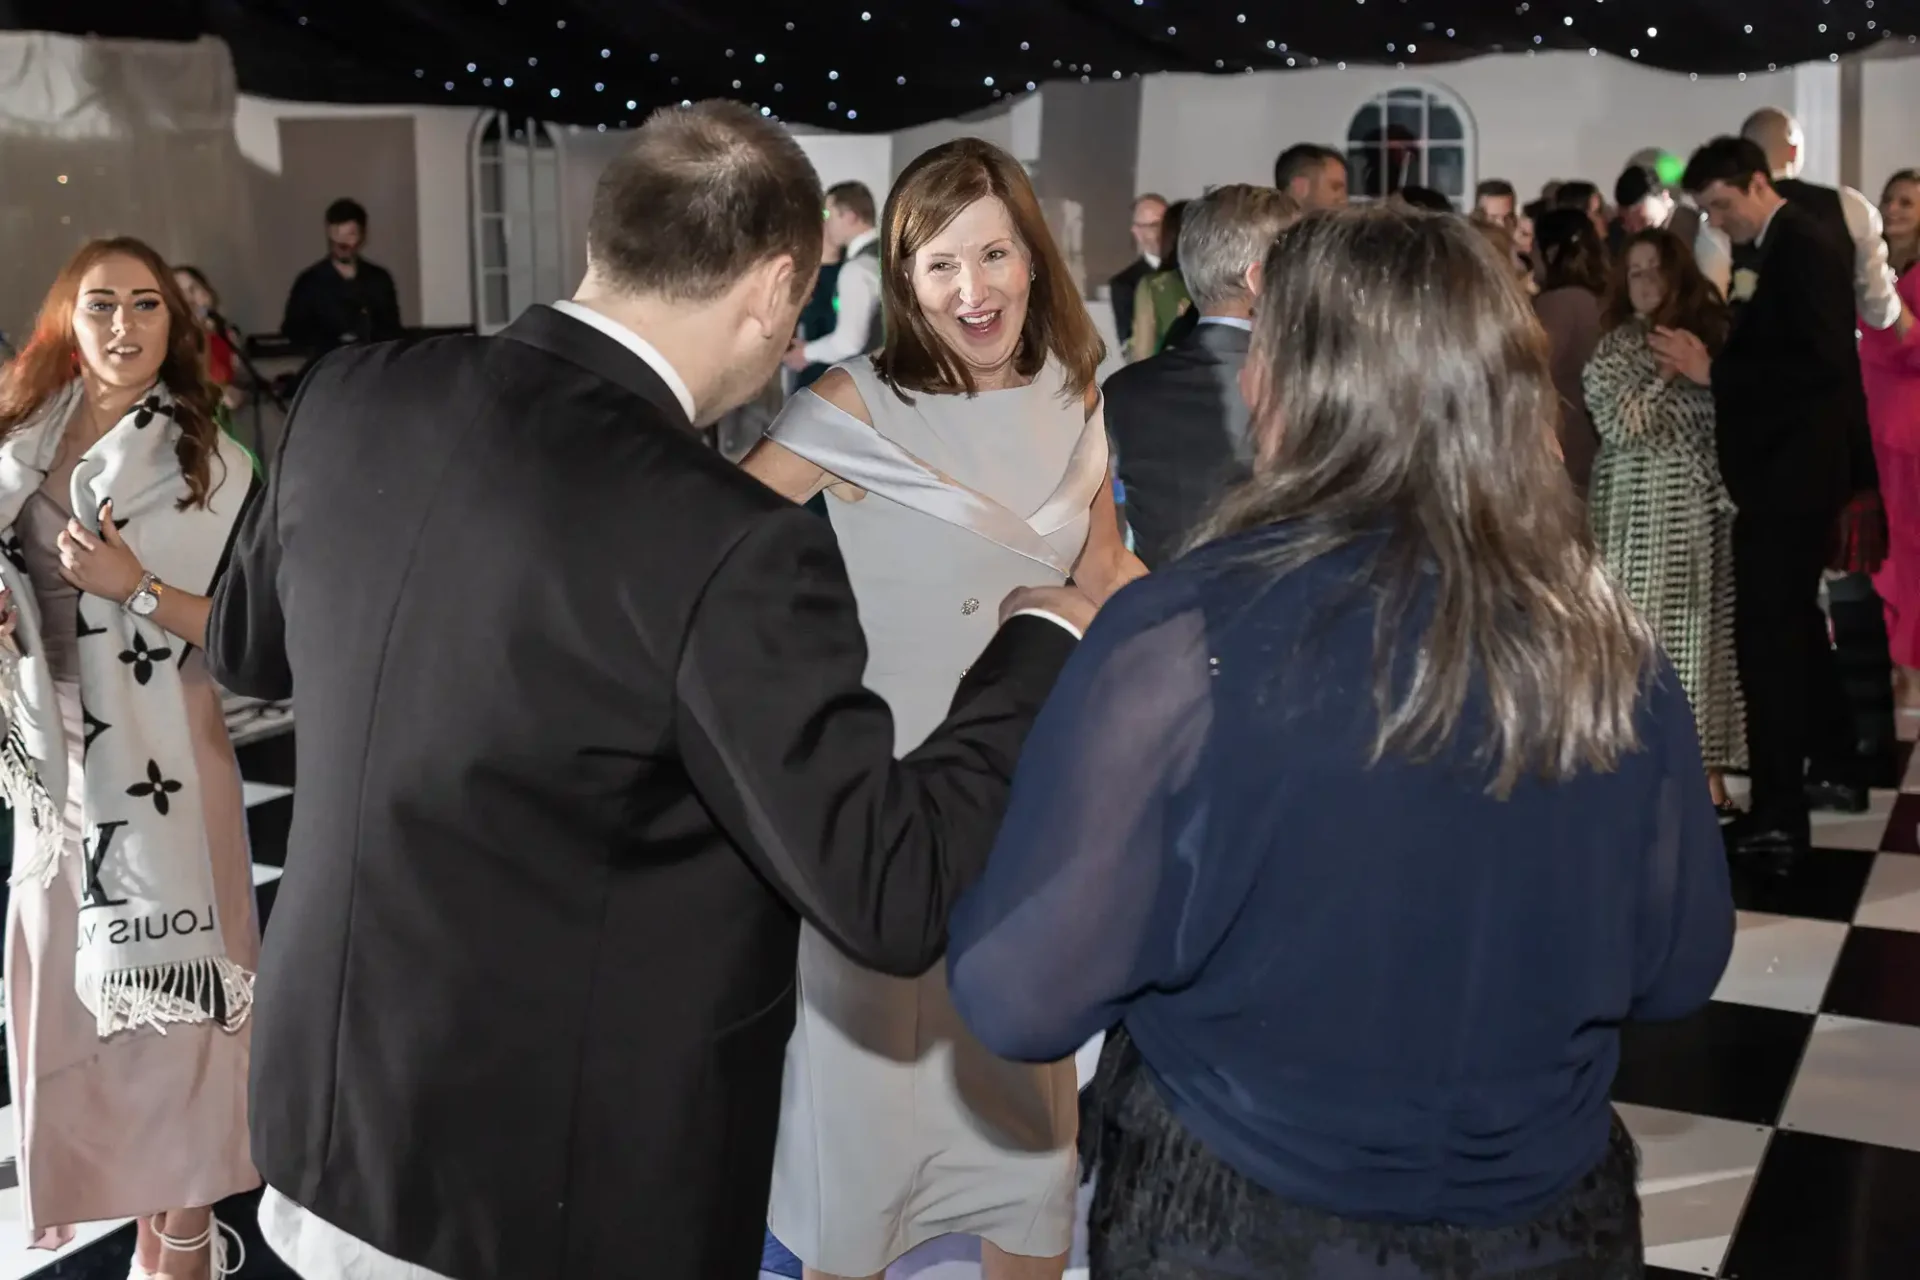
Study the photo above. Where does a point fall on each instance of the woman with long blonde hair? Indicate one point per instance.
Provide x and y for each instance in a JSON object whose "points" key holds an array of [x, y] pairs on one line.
{"points": [[131, 934], [1363, 827]]}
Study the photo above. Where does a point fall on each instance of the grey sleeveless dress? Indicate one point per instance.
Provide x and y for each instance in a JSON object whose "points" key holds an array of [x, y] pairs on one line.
{"points": [[896, 1125]]}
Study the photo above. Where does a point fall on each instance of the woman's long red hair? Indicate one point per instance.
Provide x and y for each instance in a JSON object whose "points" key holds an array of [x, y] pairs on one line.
{"points": [[51, 359]]}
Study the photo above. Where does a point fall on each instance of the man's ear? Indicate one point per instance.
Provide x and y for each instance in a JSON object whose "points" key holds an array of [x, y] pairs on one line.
{"points": [[768, 293]]}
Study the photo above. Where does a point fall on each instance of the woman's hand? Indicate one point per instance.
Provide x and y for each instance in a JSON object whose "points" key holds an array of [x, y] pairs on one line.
{"points": [[1677, 351], [99, 564]]}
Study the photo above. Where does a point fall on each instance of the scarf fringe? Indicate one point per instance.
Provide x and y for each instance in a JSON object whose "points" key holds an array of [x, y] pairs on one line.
{"points": [[20, 784], [185, 991]]}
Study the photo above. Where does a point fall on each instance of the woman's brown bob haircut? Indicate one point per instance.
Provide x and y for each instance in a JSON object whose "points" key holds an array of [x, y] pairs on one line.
{"points": [[929, 195]]}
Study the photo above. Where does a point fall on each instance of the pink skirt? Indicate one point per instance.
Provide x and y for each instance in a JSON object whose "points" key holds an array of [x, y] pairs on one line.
{"points": [[143, 1122], [1898, 580]]}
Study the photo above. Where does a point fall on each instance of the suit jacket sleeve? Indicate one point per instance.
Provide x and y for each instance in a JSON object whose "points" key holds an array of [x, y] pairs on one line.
{"points": [[246, 628], [794, 756]]}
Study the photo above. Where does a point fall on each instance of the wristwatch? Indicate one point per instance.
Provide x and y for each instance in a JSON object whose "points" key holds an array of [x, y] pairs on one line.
{"points": [[146, 597]]}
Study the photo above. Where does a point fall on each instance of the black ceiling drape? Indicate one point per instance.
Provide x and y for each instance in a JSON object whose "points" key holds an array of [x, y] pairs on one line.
{"points": [[879, 65]]}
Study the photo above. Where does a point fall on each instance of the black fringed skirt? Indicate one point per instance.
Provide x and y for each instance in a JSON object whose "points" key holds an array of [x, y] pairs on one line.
{"points": [[1164, 1208]]}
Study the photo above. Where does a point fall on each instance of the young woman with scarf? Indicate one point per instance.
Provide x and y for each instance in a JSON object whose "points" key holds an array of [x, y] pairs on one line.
{"points": [[131, 933]]}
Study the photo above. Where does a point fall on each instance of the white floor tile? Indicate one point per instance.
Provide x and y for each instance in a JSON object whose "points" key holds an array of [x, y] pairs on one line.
{"points": [[1859, 1080], [1781, 962], [1855, 830], [1695, 1173], [253, 793], [1892, 898], [264, 874]]}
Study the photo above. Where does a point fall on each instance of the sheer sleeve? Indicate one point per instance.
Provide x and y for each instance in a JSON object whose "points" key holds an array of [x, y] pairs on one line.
{"points": [[1084, 900], [1686, 927]]}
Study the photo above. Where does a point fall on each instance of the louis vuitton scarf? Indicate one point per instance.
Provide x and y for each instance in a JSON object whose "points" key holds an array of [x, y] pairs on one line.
{"points": [[150, 945]]}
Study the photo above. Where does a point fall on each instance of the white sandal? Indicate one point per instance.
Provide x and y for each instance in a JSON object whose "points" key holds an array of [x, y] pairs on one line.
{"points": [[211, 1239]]}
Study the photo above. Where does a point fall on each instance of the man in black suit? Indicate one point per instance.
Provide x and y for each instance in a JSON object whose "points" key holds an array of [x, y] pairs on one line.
{"points": [[1864, 667], [1149, 215], [582, 739], [1178, 420], [1784, 386]]}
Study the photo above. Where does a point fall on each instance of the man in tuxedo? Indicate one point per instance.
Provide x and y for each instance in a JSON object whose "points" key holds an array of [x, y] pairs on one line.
{"points": [[582, 740], [1149, 215], [1783, 387], [1178, 420], [1860, 703]]}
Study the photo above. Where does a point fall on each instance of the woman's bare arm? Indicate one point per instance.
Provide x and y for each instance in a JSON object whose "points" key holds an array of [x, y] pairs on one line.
{"points": [[1105, 565], [792, 476]]}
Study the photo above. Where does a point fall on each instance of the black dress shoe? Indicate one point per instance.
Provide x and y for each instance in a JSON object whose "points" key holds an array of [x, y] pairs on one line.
{"points": [[1837, 797], [1765, 844]]}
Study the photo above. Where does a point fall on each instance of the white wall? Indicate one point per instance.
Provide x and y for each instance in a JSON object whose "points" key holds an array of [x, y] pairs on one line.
{"points": [[1551, 115], [441, 138], [1014, 128], [1889, 120]]}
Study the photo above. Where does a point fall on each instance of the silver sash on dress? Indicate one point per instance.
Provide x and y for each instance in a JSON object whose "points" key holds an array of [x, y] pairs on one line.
{"points": [[850, 450]]}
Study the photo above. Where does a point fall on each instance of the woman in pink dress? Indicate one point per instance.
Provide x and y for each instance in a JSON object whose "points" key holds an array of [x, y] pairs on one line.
{"points": [[1890, 367], [131, 935]]}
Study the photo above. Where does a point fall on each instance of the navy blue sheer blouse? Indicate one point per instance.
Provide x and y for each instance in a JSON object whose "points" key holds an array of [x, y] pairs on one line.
{"points": [[1375, 990]]}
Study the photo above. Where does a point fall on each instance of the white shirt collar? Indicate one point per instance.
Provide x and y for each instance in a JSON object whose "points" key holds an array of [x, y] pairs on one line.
{"points": [[1152, 260], [1767, 225], [861, 241], [636, 344], [1236, 322]]}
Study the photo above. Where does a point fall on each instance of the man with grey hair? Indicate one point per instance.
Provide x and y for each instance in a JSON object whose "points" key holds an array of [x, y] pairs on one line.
{"points": [[583, 738], [1178, 422]]}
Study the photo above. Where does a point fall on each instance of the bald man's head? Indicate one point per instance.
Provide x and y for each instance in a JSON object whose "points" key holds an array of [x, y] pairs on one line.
{"points": [[1778, 134]]}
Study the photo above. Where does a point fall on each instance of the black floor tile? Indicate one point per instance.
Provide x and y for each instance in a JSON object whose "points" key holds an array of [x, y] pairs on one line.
{"points": [[268, 759], [1732, 1061], [1829, 1209], [1876, 978], [1823, 884], [267, 825], [1903, 826], [1661, 1273]]}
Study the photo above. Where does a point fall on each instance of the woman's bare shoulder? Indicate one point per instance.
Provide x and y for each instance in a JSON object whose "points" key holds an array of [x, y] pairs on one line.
{"points": [[837, 387]]}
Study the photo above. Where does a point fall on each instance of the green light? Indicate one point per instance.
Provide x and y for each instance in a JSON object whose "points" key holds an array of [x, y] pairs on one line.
{"points": [[1670, 168]]}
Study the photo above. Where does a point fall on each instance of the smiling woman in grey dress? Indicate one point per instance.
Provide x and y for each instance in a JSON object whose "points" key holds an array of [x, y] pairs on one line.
{"points": [[967, 458]]}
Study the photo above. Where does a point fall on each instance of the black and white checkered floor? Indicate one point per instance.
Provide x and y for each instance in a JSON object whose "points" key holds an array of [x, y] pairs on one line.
{"points": [[1779, 1127]]}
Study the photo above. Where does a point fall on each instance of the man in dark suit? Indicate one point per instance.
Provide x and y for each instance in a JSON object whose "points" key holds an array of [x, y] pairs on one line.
{"points": [[582, 739], [1178, 420], [1783, 389], [1149, 214], [1864, 665]]}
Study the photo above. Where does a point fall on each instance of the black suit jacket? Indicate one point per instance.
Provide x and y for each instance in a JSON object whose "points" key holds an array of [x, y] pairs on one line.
{"points": [[1787, 382], [1179, 429], [1123, 287], [582, 738]]}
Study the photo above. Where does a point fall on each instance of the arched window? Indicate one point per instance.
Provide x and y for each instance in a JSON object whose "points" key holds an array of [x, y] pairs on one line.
{"points": [[517, 219], [1412, 136]]}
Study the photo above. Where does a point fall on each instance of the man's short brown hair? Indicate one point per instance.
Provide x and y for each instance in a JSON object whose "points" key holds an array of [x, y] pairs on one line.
{"points": [[704, 194], [855, 198]]}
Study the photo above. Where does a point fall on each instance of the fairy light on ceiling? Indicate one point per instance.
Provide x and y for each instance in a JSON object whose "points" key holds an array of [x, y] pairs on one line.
{"points": [[906, 62]]}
